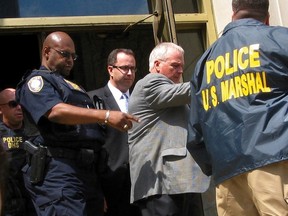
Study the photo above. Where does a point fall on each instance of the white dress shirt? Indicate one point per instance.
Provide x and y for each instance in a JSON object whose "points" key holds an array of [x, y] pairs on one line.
{"points": [[120, 97]]}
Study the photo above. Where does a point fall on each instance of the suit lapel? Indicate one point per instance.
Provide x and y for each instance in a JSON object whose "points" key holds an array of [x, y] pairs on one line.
{"points": [[110, 100]]}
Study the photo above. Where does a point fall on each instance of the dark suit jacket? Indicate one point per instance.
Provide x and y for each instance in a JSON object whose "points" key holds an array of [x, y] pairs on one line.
{"points": [[116, 141], [116, 182]]}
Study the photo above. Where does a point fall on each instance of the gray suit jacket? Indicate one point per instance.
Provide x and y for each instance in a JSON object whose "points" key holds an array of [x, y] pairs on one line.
{"points": [[159, 160]]}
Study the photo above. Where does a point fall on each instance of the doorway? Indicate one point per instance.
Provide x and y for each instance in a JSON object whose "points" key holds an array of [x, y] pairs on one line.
{"points": [[90, 69], [21, 53]]}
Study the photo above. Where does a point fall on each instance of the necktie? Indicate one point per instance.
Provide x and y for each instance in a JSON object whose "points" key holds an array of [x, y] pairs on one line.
{"points": [[124, 97]]}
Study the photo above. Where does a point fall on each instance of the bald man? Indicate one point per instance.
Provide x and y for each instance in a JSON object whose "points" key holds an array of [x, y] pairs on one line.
{"points": [[12, 135], [72, 133], [11, 117], [3, 162]]}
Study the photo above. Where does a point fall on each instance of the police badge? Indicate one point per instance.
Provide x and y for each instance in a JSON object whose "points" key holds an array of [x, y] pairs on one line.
{"points": [[35, 84]]}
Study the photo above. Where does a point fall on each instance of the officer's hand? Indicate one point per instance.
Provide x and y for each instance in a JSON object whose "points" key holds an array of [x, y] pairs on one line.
{"points": [[121, 121]]}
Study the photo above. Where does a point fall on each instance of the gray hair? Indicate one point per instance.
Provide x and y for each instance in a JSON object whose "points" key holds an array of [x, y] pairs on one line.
{"points": [[160, 52]]}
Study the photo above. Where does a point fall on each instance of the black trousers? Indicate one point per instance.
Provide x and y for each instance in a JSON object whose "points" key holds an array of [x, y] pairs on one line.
{"points": [[189, 204], [117, 187]]}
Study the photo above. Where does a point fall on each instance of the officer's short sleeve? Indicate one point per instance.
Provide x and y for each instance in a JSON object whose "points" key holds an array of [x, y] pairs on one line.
{"points": [[37, 96]]}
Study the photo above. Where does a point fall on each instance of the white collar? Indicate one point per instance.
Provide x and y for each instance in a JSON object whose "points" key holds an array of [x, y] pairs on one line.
{"points": [[116, 92]]}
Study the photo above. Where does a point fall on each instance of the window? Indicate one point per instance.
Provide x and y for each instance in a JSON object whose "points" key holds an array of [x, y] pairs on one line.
{"points": [[51, 8], [194, 30]]}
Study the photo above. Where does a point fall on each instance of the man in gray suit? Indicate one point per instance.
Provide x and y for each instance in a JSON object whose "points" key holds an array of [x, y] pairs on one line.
{"points": [[121, 66], [165, 178]]}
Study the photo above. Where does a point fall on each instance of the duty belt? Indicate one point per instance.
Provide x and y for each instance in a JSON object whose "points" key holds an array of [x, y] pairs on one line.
{"points": [[83, 156], [67, 153], [60, 152]]}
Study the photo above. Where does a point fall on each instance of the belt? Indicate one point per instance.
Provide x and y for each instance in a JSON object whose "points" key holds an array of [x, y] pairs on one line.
{"points": [[67, 153]]}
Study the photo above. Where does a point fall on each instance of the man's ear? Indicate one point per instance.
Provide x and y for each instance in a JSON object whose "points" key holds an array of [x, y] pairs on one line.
{"points": [[233, 16], [156, 65], [267, 20], [110, 70], [46, 51]]}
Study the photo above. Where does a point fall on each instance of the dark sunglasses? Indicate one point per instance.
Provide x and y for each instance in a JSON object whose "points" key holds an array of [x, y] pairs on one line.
{"points": [[11, 104], [66, 54]]}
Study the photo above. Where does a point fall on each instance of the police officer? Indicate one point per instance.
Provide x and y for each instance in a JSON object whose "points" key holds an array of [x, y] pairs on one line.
{"points": [[238, 122], [12, 135], [3, 163], [71, 131]]}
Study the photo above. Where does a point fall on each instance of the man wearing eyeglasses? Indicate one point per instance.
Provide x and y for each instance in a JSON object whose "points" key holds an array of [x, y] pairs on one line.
{"points": [[72, 133], [121, 66], [12, 135]]}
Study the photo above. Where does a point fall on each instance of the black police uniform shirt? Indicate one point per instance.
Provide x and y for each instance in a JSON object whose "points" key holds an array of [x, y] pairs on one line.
{"points": [[239, 100], [42, 89], [12, 141]]}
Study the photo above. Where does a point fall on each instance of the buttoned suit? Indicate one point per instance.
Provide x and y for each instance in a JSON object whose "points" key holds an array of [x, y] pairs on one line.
{"points": [[159, 160], [116, 177]]}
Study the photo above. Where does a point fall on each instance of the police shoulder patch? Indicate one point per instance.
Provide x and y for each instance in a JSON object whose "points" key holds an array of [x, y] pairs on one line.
{"points": [[35, 84]]}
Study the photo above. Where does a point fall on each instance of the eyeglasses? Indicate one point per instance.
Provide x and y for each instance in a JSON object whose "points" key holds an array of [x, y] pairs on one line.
{"points": [[125, 69], [66, 54], [11, 104]]}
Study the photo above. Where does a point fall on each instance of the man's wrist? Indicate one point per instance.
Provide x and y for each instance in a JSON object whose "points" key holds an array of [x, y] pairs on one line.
{"points": [[107, 117]]}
